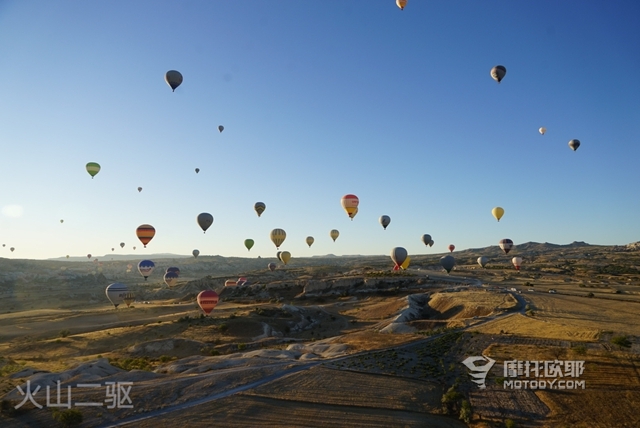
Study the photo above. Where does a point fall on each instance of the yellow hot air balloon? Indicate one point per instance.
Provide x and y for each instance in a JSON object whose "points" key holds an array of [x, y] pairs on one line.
{"points": [[285, 256], [498, 212], [406, 262], [310, 240], [350, 205], [401, 4], [334, 234], [278, 236]]}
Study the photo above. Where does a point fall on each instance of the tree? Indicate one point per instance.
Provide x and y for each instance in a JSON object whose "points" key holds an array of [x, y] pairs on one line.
{"points": [[68, 418], [450, 401], [465, 411]]}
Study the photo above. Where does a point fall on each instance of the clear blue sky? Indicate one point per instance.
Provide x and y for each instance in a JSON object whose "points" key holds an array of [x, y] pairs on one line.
{"points": [[318, 99]]}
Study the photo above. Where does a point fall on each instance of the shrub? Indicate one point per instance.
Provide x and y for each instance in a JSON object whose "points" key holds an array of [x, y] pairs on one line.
{"points": [[621, 341], [68, 417], [64, 333], [580, 349], [465, 411], [510, 423], [223, 328], [590, 295]]}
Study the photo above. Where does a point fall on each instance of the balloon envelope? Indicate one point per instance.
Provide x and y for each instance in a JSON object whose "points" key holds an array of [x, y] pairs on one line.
{"points": [[229, 283], [277, 237], [259, 207], [350, 204], [195, 253], [517, 261], [220, 128], [145, 267], [406, 262], [173, 79], [310, 240], [93, 168], [116, 292], [248, 243], [574, 144], [498, 72], [122, 245], [278, 255], [506, 245], [401, 4], [139, 189], [205, 220], [207, 300], [426, 239], [173, 269], [197, 170], [145, 233], [398, 255], [171, 278], [384, 221], [271, 266], [483, 260], [285, 256], [334, 234], [448, 262], [497, 212], [542, 130], [129, 298], [452, 247]]}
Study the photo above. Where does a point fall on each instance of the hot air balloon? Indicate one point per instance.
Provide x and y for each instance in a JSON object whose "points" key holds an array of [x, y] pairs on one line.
{"points": [[426, 239], [310, 241], [483, 260], [122, 245], [542, 130], [205, 220], [401, 4], [89, 256], [384, 221], [220, 128], [67, 255], [259, 207], [248, 243], [115, 293], [574, 144], [171, 278], [405, 264], [145, 267], [145, 233], [241, 281], [195, 253], [271, 266], [278, 255], [350, 205], [129, 298], [61, 221], [129, 266], [506, 245], [229, 283], [93, 168], [334, 234], [173, 269], [451, 247], [278, 236], [207, 300], [134, 248], [497, 212], [139, 189], [517, 261], [448, 262], [498, 72], [285, 256], [173, 79], [398, 255], [197, 170], [431, 243], [113, 249], [12, 249]]}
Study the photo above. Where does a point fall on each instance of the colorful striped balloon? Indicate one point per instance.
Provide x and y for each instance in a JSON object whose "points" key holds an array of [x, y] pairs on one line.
{"points": [[207, 300], [145, 233]]}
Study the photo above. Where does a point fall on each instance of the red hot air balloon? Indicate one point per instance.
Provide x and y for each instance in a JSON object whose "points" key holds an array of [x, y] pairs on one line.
{"points": [[207, 300], [452, 247], [350, 205], [145, 233]]}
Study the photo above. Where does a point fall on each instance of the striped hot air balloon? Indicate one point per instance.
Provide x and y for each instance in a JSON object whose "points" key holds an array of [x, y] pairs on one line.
{"points": [[207, 300], [350, 205], [93, 168], [278, 236], [145, 233]]}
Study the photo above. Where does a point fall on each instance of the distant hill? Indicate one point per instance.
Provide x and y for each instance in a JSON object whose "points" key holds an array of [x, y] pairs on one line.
{"points": [[120, 257]]}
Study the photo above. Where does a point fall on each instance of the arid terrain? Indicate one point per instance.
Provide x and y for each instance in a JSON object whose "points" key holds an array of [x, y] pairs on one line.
{"points": [[327, 341]]}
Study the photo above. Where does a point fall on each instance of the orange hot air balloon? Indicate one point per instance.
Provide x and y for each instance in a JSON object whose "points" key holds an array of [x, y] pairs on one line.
{"points": [[452, 247], [145, 233], [207, 300], [350, 205], [230, 283]]}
